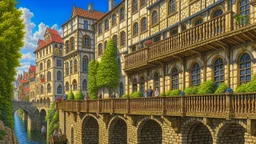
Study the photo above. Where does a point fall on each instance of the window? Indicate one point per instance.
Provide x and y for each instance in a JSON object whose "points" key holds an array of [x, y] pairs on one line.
{"points": [[134, 85], [217, 13], [115, 39], [195, 75], [72, 44], [75, 66], [157, 38], [121, 89], [122, 43], [183, 27], [134, 5], [171, 6], [100, 28], [174, 31], [59, 63], [122, 14], [49, 88], [85, 63], [143, 3], [59, 75], [245, 68], [71, 67], [67, 86], [67, 68], [142, 85], [218, 71], [42, 90], [198, 22], [175, 79], [244, 7], [74, 85], [156, 81], [105, 45], [100, 49], [48, 63], [143, 24], [67, 46], [113, 19], [154, 17], [106, 24], [86, 25], [86, 41], [41, 66], [135, 29], [49, 76], [59, 89], [84, 85]]}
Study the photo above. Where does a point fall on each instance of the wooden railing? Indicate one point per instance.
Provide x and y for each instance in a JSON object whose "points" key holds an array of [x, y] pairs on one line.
{"points": [[220, 106], [137, 58]]}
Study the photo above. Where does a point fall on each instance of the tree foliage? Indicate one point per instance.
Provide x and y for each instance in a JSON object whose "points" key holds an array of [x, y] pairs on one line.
{"points": [[108, 71], [92, 80], [79, 95], [11, 40], [71, 95], [52, 118]]}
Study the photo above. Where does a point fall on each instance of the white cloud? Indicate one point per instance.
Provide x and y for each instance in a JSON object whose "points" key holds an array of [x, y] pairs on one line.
{"points": [[28, 56], [23, 67]]}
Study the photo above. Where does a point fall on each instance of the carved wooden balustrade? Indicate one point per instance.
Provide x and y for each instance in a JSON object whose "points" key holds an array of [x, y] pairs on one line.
{"points": [[137, 58], [219, 106]]}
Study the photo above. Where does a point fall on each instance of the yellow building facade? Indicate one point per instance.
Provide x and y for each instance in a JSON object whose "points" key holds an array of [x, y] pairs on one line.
{"points": [[192, 41]]}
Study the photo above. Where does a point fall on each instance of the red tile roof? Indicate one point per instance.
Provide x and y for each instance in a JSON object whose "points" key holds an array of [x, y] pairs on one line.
{"points": [[24, 81], [32, 68], [55, 37], [87, 14], [27, 89]]}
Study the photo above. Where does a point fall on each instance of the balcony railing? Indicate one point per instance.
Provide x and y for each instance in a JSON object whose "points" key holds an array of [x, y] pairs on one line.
{"points": [[191, 38], [220, 106]]}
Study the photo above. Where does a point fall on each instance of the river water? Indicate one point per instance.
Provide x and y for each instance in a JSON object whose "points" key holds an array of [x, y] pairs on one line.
{"points": [[23, 136]]}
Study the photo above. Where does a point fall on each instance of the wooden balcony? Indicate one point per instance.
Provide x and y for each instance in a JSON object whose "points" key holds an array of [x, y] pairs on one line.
{"points": [[222, 31], [238, 106]]}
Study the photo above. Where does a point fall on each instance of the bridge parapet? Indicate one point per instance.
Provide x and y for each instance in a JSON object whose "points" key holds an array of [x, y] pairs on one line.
{"points": [[229, 106]]}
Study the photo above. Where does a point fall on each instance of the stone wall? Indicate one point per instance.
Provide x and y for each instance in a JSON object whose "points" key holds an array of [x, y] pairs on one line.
{"points": [[9, 137]]}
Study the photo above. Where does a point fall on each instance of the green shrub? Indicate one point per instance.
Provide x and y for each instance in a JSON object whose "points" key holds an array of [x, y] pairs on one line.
{"points": [[71, 95], [242, 88], [168, 93], [207, 87], [136, 94], [79, 95], [162, 94], [221, 88], [191, 90], [175, 92], [124, 95]]}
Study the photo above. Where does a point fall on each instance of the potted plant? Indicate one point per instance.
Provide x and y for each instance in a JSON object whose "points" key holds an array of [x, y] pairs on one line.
{"points": [[147, 43]]}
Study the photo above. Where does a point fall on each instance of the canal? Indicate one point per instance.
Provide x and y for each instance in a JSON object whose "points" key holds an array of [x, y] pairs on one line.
{"points": [[22, 135]]}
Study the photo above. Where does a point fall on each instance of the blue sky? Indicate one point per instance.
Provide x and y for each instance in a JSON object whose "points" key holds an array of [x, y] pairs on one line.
{"points": [[40, 14]]}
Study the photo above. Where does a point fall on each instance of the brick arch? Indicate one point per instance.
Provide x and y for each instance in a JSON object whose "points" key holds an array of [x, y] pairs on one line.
{"points": [[195, 131], [230, 132], [90, 130], [149, 131], [117, 130]]}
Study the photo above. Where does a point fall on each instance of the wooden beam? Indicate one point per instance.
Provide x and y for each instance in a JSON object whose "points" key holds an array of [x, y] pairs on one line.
{"points": [[245, 35], [239, 39]]}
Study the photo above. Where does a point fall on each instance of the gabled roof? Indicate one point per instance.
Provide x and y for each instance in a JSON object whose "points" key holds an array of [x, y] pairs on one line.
{"points": [[86, 13], [54, 37], [32, 68]]}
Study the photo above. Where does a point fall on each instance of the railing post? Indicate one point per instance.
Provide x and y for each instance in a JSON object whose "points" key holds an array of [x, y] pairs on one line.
{"points": [[228, 105], [87, 106], [183, 106], [112, 106], [128, 105], [99, 108], [163, 105]]}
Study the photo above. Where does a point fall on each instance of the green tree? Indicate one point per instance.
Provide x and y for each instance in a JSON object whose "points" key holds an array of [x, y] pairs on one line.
{"points": [[92, 80], [52, 118], [79, 95], [108, 71], [71, 95], [11, 40]]}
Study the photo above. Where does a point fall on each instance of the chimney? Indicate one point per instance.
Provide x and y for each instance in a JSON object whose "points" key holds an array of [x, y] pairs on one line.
{"points": [[90, 7], [111, 4]]}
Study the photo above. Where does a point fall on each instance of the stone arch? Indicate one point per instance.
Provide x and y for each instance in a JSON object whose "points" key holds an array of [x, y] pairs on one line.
{"points": [[230, 132], [42, 117], [149, 131], [194, 131], [220, 7], [240, 53], [117, 130], [90, 130]]}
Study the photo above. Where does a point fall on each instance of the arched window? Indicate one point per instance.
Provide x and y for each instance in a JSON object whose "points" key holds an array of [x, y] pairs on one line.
{"points": [[156, 81], [41, 66], [84, 85], [100, 49], [67, 86], [195, 75], [154, 17], [198, 22], [67, 46], [135, 29], [143, 3], [218, 71], [71, 66], [175, 78], [67, 68], [75, 66], [105, 45], [217, 13], [183, 27], [100, 28], [59, 75], [49, 88], [106, 24], [134, 5], [122, 16], [244, 7], [48, 63], [42, 90], [113, 19], [121, 89], [245, 68], [115, 39], [86, 41], [49, 77], [134, 85], [59, 89], [142, 85], [72, 41], [174, 31], [172, 6], [143, 24], [74, 85], [85, 64], [122, 38]]}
